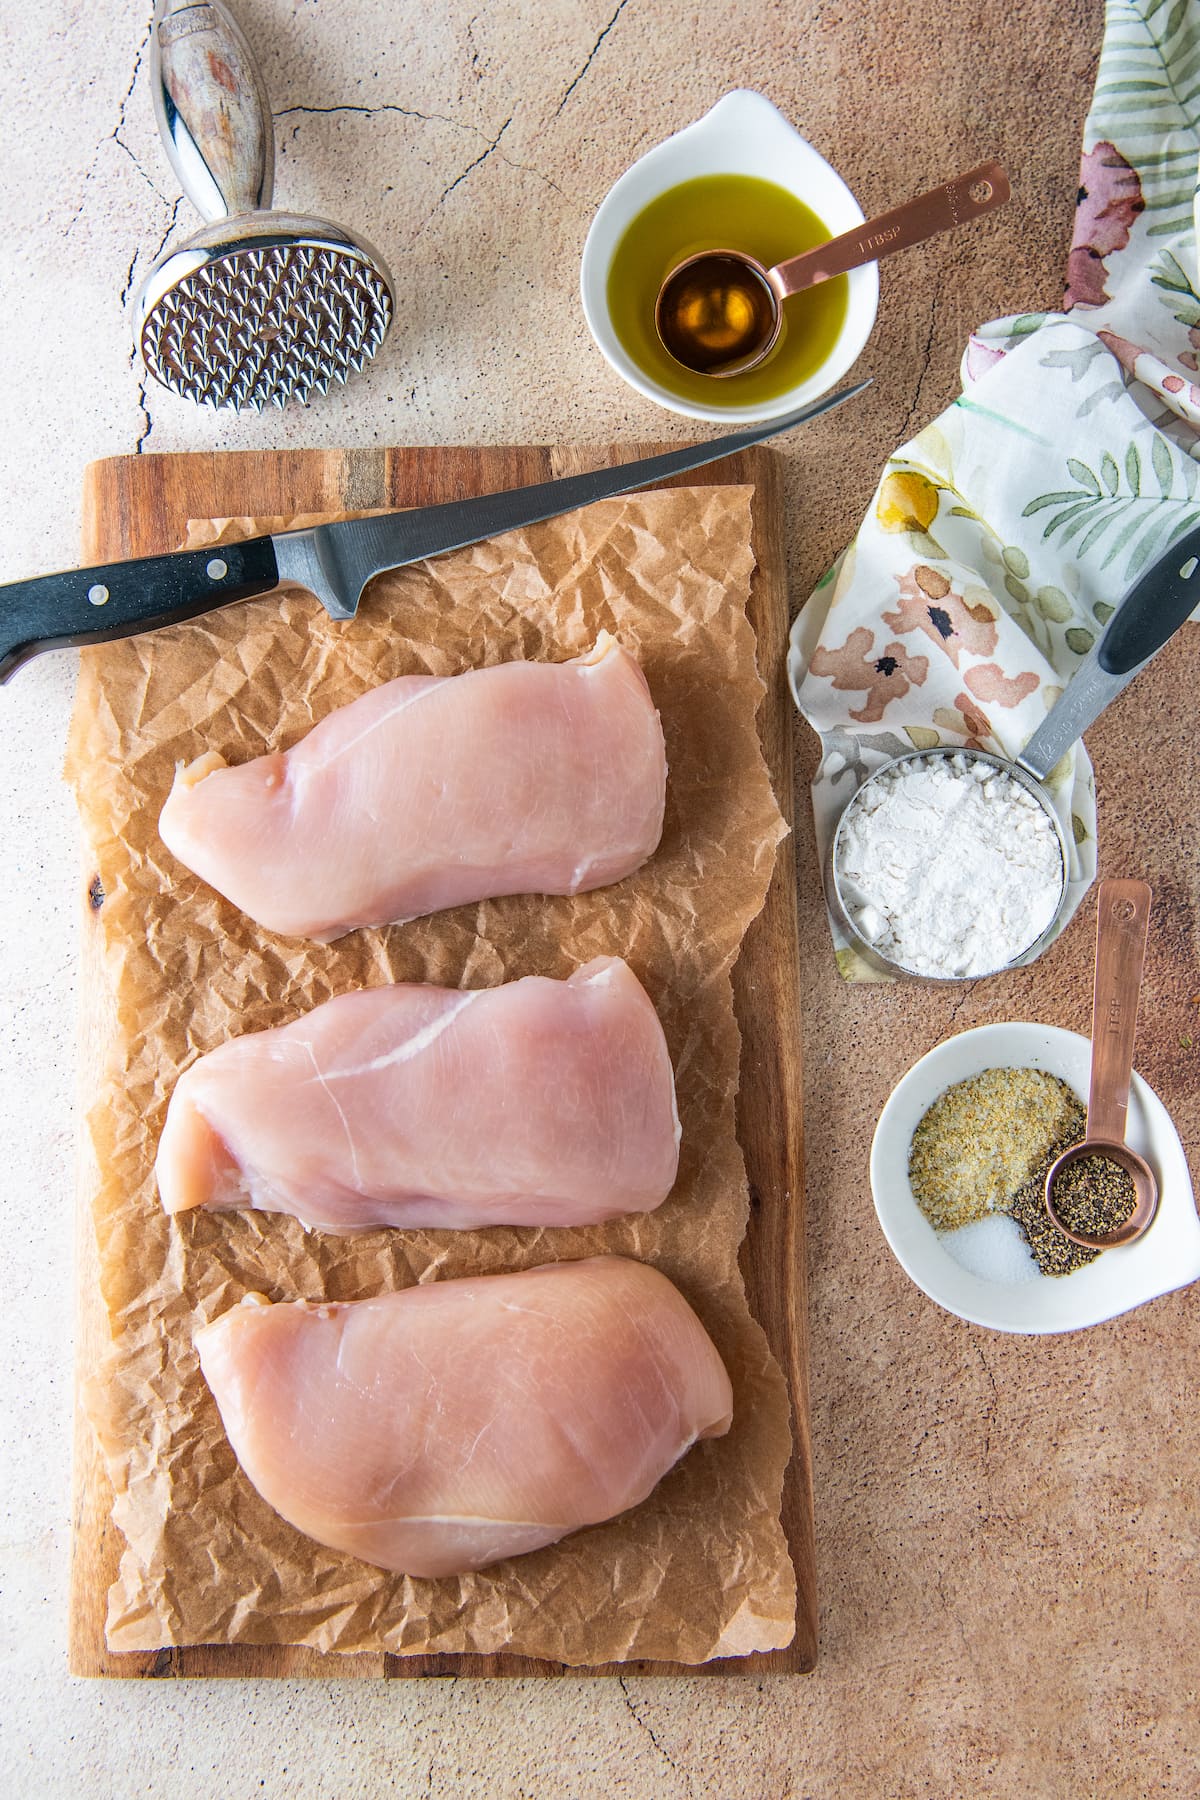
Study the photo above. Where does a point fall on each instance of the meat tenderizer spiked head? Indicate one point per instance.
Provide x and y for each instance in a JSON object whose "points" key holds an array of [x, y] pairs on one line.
{"points": [[258, 306]]}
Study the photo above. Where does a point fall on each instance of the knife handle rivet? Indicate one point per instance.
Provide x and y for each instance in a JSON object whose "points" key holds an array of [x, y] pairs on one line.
{"points": [[217, 570], [98, 595]]}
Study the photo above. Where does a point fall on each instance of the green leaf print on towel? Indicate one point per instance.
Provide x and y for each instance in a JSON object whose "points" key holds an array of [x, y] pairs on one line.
{"points": [[1113, 509], [1147, 100]]}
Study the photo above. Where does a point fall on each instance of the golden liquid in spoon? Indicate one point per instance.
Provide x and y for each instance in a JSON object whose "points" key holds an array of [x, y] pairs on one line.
{"points": [[715, 312], [730, 212]]}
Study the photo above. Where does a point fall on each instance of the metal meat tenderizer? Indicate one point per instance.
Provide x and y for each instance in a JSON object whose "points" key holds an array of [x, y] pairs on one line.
{"points": [[259, 305]]}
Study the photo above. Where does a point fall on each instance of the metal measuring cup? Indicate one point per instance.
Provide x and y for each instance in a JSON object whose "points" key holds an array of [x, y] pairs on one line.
{"points": [[1149, 614]]}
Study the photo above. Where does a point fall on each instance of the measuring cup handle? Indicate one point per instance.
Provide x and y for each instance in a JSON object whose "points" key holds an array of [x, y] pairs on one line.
{"points": [[1122, 921], [1150, 613], [954, 203], [1154, 608]]}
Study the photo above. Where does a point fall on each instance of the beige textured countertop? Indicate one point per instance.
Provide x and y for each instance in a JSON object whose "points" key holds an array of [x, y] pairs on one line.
{"points": [[1009, 1588]]}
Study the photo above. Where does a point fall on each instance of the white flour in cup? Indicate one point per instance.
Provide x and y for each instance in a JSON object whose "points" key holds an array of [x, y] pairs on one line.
{"points": [[948, 866]]}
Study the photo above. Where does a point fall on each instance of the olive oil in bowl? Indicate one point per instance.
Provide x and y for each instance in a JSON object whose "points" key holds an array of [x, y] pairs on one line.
{"points": [[729, 212]]}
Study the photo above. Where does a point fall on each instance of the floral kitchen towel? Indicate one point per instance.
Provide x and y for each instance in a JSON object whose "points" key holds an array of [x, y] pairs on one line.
{"points": [[1000, 536]]}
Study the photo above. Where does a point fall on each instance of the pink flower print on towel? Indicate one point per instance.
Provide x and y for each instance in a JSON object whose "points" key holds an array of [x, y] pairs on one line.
{"points": [[1151, 370], [1110, 199], [1125, 351], [981, 357], [884, 678], [1175, 384], [989, 682], [929, 604], [965, 721]]}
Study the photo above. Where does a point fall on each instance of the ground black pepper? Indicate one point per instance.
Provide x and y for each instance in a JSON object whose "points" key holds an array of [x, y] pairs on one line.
{"points": [[1053, 1251], [1094, 1195]]}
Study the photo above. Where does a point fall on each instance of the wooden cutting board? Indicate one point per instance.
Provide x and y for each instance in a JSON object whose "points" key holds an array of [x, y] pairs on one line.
{"points": [[139, 505]]}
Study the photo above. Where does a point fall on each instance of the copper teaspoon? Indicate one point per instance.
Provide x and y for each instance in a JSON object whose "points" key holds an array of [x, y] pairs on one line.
{"points": [[1122, 920]]}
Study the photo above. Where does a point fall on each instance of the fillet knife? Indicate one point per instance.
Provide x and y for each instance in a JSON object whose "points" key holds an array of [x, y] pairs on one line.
{"points": [[335, 561]]}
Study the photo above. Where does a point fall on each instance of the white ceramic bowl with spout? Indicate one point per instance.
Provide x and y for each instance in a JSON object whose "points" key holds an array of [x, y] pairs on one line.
{"points": [[744, 134], [1168, 1257]]}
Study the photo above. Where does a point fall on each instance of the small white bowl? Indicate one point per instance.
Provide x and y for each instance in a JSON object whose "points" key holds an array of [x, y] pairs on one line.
{"points": [[1168, 1257], [744, 134]]}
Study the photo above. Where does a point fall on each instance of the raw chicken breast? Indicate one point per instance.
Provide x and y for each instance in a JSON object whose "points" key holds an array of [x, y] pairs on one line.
{"points": [[536, 1103], [444, 1427], [527, 778]]}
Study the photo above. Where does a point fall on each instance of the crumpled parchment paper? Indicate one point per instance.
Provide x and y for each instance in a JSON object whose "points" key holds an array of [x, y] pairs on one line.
{"points": [[701, 1568]]}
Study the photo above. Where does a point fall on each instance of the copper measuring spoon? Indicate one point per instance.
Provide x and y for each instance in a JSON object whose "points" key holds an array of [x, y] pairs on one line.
{"points": [[1122, 920], [720, 313]]}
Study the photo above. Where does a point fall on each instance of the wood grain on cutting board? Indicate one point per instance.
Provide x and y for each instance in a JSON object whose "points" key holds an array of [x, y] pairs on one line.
{"points": [[137, 506]]}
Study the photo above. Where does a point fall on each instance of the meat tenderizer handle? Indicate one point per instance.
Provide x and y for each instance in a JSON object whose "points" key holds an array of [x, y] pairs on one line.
{"points": [[212, 108]]}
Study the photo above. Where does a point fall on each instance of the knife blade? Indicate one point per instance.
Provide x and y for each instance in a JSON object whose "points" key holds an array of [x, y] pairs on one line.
{"points": [[334, 561]]}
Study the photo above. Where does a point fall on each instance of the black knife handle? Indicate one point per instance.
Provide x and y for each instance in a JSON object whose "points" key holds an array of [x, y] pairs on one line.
{"points": [[1154, 608], [92, 606]]}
